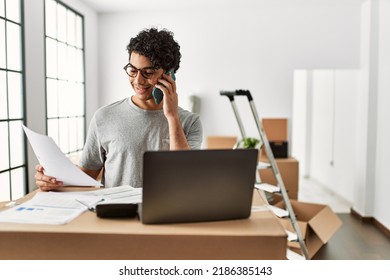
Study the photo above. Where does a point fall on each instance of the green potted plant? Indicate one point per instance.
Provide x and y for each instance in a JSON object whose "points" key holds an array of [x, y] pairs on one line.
{"points": [[249, 143]]}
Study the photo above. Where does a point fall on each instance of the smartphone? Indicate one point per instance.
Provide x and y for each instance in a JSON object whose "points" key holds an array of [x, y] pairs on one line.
{"points": [[157, 93]]}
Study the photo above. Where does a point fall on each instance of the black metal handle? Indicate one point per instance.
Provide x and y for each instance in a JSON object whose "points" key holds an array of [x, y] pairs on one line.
{"points": [[231, 94]]}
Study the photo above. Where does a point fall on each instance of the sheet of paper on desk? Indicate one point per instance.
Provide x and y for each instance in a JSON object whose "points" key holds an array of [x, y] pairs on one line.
{"points": [[120, 194], [50, 208], [56, 164]]}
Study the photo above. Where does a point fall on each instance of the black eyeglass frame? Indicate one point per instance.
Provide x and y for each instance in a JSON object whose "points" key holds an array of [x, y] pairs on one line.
{"points": [[140, 70]]}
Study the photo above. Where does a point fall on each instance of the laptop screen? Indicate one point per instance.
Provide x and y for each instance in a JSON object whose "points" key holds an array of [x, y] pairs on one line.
{"points": [[197, 185]]}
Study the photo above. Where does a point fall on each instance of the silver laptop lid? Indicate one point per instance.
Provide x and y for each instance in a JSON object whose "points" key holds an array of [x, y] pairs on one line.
{"points": [[197, 185]]}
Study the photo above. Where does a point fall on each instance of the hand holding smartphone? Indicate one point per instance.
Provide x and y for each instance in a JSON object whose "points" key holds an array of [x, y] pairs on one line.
{"points": [[157, 93]]}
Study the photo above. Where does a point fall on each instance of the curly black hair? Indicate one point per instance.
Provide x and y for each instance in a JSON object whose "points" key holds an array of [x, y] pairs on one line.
{"points": [[159, 46]]}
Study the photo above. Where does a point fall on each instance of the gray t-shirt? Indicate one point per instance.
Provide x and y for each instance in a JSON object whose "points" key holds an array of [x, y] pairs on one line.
{"points": [[121, 132]]}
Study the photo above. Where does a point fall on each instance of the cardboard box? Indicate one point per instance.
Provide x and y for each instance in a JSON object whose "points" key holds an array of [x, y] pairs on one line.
{"points": [[221, 142], [289, 171], [317, 223], [88, 237], [276, 130]]}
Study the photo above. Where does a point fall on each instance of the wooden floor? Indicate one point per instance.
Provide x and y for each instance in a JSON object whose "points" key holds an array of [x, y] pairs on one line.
{"points": [[355, 240]]}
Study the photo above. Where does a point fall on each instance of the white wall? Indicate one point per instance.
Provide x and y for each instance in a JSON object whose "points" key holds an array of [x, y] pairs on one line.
{"points": [[381, 207], [344, 125], [346, 128], [241, 48], [325, 120], [372, 190], [301, 122]]}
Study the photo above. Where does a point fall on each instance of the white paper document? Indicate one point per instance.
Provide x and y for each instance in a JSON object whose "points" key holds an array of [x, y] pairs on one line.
{"points": [[120, 194], [58, 208], [56, 164], [50, 208]]}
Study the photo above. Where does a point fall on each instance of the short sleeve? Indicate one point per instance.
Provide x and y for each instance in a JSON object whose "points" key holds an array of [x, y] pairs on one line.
{"points": [[93, 155]]}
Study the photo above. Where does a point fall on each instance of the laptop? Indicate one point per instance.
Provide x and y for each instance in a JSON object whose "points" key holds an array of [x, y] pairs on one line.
{"points": [[197, 185]]}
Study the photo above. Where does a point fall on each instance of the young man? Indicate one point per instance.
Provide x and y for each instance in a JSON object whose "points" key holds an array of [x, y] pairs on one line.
{"points": [[121, 132]]}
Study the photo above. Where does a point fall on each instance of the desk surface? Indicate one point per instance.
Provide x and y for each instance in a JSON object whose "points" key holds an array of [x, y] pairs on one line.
{"points": [[89, 237]]}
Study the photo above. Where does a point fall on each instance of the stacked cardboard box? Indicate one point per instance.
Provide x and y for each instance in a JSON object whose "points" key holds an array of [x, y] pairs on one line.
{"points": [[276, 130], [289, 171], [317, 222], [221, 142]]}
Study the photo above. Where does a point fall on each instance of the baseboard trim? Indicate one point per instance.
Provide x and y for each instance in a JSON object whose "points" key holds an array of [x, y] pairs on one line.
{"points": [[361, 218], [373, 221]]}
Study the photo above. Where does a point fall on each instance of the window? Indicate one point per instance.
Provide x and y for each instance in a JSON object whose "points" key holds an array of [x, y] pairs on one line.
{"points": [[65, 85], [13, 168]]}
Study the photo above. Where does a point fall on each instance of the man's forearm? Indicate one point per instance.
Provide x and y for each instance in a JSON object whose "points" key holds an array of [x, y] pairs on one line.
{"points": [[178, 140]]}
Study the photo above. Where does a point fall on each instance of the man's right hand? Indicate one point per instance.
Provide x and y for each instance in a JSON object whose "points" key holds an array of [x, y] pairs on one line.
{"points": [[44, 182]]}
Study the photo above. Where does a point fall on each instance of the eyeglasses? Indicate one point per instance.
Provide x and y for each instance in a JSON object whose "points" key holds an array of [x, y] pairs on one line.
{"points": [[146, 72]]}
